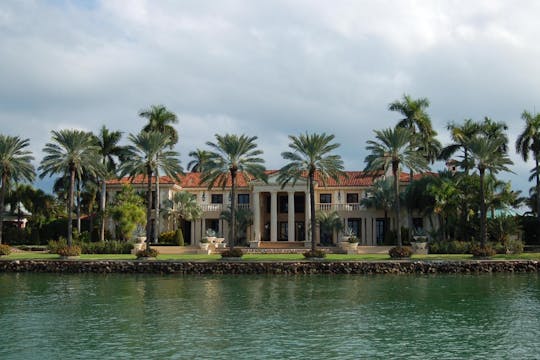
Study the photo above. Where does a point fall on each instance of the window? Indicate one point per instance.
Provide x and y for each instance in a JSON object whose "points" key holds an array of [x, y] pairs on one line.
{"points": [[379, 231], [243, 198], [217, 199], [283, 204], [299, 204], [283, 231], [352, 198], [325, 198], [355, 226]]}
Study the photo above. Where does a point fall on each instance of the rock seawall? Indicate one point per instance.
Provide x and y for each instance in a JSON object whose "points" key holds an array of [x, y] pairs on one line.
{"points": [[252, 267]]}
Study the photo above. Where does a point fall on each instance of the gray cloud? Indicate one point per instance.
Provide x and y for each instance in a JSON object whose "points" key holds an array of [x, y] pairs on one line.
{"points": [[265, 68]]}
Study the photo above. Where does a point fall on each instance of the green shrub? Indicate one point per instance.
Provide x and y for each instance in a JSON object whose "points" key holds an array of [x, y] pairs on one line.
{"points": [[515, 246], [235, 252], [146, 253], [54, 245], [319, 254], [179, 237], [458, 247], [482, 252], [353, 240], [107, 247], [5, 249], [73, 250], [400, 252], [168, 237]]}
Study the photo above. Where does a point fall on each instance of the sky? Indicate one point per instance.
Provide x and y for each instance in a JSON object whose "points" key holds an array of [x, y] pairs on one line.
{"points": [[266, 68]]}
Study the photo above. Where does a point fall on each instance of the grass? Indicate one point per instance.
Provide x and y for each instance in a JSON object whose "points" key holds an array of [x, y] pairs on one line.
{"points": [[273, 257]]}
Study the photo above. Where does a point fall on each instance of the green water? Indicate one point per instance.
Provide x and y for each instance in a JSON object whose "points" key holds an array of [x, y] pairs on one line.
{"points": [[44, 316]]}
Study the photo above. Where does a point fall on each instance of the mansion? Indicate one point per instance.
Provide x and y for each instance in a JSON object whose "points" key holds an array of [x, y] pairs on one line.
{"points": [[279, 214]]}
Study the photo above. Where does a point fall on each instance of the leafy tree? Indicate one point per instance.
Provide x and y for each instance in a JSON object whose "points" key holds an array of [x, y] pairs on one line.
{"points": [[244, 219], [329, 221], [231, 156], [110, 151], [461, 135], [183, 206], [128, 212], [200, 157], [311, 154], [447, 199], [146, 154], [391, 149], [15, 165], [486, 155], [71, 152], [528, 142]]}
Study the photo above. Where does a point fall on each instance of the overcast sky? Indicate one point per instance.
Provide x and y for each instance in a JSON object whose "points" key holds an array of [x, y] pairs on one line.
{"points": [[266, 68]]}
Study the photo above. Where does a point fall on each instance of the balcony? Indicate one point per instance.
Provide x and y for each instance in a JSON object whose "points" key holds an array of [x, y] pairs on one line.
{"points": [[339, 207], [221, 207]]}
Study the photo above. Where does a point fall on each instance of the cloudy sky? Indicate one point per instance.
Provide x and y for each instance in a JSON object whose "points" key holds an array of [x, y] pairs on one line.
{"points": [[266, 68]]}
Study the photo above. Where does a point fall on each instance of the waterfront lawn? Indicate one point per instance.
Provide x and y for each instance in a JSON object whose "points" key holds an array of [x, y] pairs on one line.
{"points": [[272, 257]]}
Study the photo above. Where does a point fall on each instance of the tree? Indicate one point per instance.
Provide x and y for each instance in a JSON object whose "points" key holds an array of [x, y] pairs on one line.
{"points": [[244, 219], [391, 149], [528, 141], [184, 206], [461, 135], [109, 150], [71, 152], [486, 155], [447, 199], [380, 196], [329, 221], [160, 119], [311, 155], [144, 156], [200, 157], [15, 165], [128, 211], [231, 156]]}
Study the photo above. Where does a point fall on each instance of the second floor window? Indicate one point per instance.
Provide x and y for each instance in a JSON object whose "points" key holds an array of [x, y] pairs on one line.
{"points": [[352, 198], [243, 198], [325, 198], [216, 199]]}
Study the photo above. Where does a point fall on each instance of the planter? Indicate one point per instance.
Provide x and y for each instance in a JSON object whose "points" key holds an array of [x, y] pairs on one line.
{"points": [[211, 239], [204, 246], [419, 248], [254, 244]]}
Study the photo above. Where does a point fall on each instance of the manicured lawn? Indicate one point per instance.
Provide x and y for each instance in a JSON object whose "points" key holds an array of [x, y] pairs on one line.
{"points": [[275, 257]]}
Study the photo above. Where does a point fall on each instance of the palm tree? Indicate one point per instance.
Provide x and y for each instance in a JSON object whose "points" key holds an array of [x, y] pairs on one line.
{"points": [[184, 206], [144, 156], [72, 152], [329, 222], [486, 155], [160, 119], [391, 149], [244, 219], [200, 157], [310, 155], [447, 198], [15, 164], [460, 135], [380, 196], [233, 156], [529, 142], [109, 150]]}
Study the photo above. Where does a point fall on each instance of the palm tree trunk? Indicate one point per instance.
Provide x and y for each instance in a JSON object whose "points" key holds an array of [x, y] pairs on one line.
{"points": [[156, 223], [312, 208], [70, 205], [233, 209], [395, 168], [103, 197], [537, 188], [2, 199], [483, 230], [149, 208], [79, 207], [91, 213], [409, 211]]}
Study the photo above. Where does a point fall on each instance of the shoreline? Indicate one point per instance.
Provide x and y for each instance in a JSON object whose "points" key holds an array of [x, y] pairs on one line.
{"points": [[246, 267]]}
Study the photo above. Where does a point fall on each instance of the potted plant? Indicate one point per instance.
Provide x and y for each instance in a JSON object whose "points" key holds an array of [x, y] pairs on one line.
{"points": [[203, 244], [211, 236], [419, 245]]}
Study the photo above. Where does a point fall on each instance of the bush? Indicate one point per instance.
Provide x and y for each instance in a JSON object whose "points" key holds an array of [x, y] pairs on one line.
{"points": [[107, 247], [179, 237], [5, 249], [146, 253], [515, 246], [319, 254], [400, 252], [54, 245], [353, 240], [450, 247], [167, 237], [482, 252], [236, 253], [73, 250]]}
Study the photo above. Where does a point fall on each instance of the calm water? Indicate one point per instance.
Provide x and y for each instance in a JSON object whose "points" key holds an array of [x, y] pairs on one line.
{"points": [[46, 316]]}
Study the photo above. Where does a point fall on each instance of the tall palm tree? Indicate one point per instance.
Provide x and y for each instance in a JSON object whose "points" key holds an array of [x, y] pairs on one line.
{"points": [[109, 150], [392, 149], [160, 119], [15, 165], [144, 156], [200, 157], [460, 135], [329, 222], [184, 206], [72, 152], [527, 142], [380, 196], [311, 154], [231, 156], [486, 155]]}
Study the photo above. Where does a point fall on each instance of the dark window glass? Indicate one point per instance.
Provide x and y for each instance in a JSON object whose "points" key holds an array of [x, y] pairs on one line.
{"points": [[217, 199], [325, 198], [355, 226], [352, 198], [283, 204], [243, 198]]}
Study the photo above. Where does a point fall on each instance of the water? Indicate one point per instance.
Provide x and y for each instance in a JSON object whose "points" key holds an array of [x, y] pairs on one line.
{"points": [[50, 316]]}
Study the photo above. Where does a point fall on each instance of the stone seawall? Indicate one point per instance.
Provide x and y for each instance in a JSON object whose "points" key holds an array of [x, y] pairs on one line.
{"points": [[252, 267]]}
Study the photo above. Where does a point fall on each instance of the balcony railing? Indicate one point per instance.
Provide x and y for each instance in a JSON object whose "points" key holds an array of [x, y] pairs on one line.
{"points": [[221, 207], [339, 207]]}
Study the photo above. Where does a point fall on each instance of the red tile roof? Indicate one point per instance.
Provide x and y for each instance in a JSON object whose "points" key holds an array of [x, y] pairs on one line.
{"points": [[193, 180]]}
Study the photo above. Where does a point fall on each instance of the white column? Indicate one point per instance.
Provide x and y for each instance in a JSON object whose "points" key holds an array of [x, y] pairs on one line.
{"points": [[256, 216], [290, 208], [307, 213], [273, 216]]}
